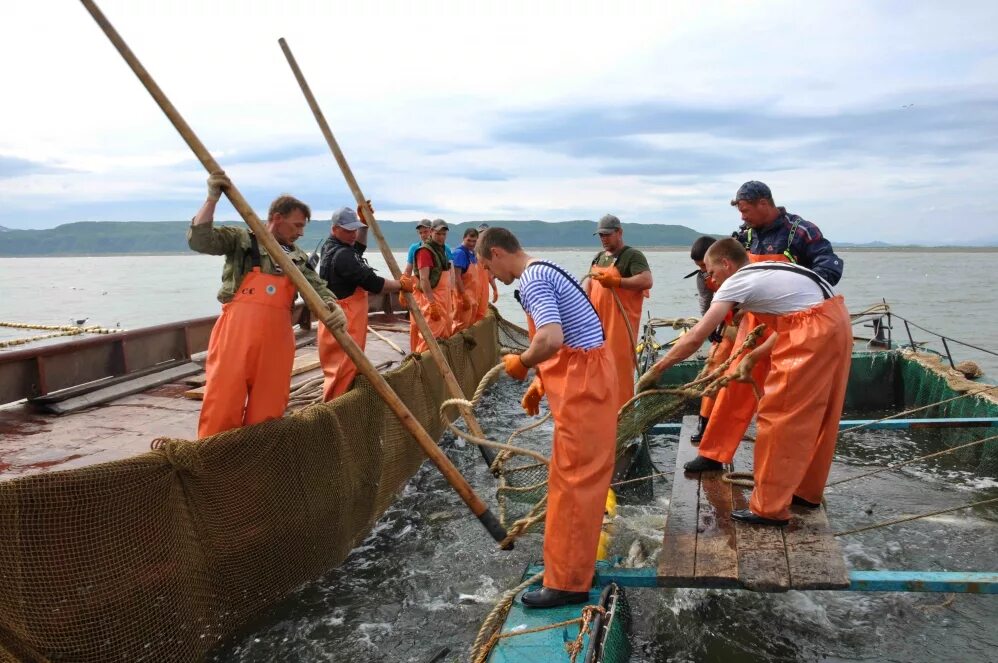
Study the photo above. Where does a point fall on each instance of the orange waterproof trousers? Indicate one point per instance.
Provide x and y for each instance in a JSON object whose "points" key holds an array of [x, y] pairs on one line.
{"points": [[719, 353], [484, 293], [338, 369], [441, 328], [464, 318], [800, 411], [581, 392], [619, 340], [736, 404], [250, 354]]}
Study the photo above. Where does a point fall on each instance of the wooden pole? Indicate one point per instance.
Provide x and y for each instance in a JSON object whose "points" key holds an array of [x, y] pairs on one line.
{"points": [[453, 388], [311, 297]]}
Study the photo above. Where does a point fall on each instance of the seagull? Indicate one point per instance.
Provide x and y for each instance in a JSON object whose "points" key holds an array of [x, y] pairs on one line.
{"points": [[80, 322]]}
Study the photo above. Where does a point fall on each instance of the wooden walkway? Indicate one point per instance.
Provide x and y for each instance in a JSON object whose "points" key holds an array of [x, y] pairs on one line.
{"points": [[703, 547]]}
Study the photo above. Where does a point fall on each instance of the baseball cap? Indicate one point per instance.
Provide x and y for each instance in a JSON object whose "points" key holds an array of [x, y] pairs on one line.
{"points": [[607, 225], [752, 190], [423, 223], [347, 219], [482, 227], [440, 224]]}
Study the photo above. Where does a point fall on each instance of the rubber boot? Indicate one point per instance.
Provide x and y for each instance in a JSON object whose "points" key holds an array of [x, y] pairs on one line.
{"points": [[697, 436], [545, 597]]}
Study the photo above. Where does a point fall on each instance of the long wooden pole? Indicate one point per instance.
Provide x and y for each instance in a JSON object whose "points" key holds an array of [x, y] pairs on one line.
{"points": [[311, 297], [453, 388]]}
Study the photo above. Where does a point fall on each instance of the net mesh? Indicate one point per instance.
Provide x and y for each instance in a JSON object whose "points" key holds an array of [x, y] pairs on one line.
{"points": [[161, 556]]}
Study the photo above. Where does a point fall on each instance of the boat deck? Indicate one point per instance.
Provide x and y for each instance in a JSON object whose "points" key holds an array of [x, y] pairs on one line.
{"points": [[703, 547], [32, 441]]}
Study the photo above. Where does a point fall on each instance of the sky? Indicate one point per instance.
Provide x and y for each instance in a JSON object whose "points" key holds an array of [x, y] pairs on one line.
{"points": [[876, 120]]}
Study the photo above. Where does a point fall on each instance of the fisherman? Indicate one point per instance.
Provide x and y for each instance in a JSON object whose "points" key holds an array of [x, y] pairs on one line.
{"points": [[485, 281], [433, 295], [252, 345], [721, 343], [466, 281], [811, 349], [575, 371], [769, 233], [350, 278], [423, 230], [620, 279]]}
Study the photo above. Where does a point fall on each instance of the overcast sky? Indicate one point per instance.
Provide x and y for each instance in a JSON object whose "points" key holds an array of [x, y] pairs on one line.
{"points": [[875, 120]]}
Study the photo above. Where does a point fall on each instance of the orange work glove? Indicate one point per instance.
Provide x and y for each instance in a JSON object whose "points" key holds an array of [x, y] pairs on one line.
{"points": [[531, 402], [495, 292], [607, 280], [466, 302], [515, 367], [361, 210], [435, 311], [407, 283]]}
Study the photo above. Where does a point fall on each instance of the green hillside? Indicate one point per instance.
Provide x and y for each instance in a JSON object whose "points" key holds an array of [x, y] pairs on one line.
{"points": [[116, 238]]}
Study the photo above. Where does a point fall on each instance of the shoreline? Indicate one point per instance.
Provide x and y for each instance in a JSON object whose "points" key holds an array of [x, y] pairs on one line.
{"points": [[557, 249]]}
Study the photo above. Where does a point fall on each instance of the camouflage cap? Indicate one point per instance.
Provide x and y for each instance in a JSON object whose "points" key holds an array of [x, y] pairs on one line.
{"points": [[751, 191]]}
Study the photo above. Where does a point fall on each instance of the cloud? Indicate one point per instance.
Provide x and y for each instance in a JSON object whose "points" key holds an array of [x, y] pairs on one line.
{"points": [[11, 167]]}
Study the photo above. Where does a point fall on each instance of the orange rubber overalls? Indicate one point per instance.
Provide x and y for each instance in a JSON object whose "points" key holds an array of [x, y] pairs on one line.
{"points": [[719, 353], [799, 413], [483, 293], [465, 318], [618, 339], [250, 353], [735, 405], [440, 328], [580, 386], [338, 369]]}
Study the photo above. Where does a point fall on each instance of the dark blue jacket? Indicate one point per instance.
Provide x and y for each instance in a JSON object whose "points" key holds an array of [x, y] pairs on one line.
{"points": [[799, 240]]}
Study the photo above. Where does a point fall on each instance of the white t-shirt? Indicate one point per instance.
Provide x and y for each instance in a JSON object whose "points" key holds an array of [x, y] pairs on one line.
{"points": [[774, 287]]}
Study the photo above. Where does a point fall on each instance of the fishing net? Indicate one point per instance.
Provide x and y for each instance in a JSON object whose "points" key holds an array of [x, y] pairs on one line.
{"points": [[161, 556]]}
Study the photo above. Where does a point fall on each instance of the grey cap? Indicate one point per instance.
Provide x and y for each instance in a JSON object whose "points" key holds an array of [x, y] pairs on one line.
{"points": [[440, 224], [752, 190], [482, 227], [423, 223], [607, 225], [347, 219]]}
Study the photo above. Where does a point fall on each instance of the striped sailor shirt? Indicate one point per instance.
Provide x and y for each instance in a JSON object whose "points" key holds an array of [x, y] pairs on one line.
{"points": [[550, 295]]}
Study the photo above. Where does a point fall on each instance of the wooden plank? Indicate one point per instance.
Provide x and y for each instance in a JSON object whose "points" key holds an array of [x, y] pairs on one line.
{"points": [[677, 561], [717, 553], [813, 555], [305, 362], [122, 389], [762, 555]]}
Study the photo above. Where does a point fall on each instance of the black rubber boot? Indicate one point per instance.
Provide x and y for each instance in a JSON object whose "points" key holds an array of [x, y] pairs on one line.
{"points": [[746, 516], [703, 464], [800, 501], [697, 436], [545, 597]]}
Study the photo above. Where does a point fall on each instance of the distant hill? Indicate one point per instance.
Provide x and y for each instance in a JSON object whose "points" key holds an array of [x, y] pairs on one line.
{"points": [[116, 238]]}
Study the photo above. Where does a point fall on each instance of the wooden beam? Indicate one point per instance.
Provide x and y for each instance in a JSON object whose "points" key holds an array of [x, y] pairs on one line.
{"points": [[717, 553], [814, 557], [677, 560], [762, 555]]}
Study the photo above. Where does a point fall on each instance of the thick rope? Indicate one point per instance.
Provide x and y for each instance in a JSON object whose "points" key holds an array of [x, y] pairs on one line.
{"points": [[75, 329], [887, 523], [488, 634]]}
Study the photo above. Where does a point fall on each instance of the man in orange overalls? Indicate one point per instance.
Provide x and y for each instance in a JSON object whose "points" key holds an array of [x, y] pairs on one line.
{"points": [[809, 350], [485, 282], [770, 233], [622, 271], [350, 278], [467, 274], [576, 373], [433, 295], [252, 345]]}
